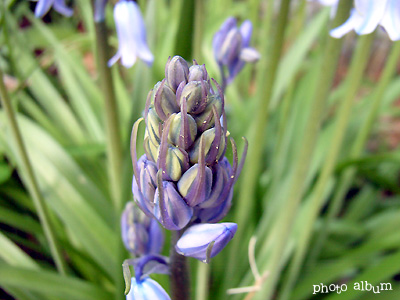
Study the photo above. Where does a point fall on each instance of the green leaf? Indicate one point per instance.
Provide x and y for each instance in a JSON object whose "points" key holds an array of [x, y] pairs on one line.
{"points": [[48, 283]]}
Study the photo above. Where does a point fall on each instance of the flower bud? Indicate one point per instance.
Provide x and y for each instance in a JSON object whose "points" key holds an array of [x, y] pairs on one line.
{"points": [[153, 127], [183, 129], [221, 175], [141, 235], [197, 73], [176, 71], [215, 214], [206, 120], [150, 149], [195, 93], [174, 161], [164, 100], [215, 145], [170, 209], [147, 177], [196, 240]]}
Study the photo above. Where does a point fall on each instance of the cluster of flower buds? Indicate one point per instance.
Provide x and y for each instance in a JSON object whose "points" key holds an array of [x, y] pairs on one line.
{"points": [[184, 178]]}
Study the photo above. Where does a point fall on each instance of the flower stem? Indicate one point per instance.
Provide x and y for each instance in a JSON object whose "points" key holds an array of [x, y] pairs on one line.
{"points": [[203, 275], [114, 150], [31, 180], [180, 281]]}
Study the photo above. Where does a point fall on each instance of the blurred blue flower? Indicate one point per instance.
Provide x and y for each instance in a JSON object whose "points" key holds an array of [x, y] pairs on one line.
{"points": [[142, 287], [131, 35], [231, 47], [141, 235], [368, 14], [43, 6], [196, 239], [146, 289]]}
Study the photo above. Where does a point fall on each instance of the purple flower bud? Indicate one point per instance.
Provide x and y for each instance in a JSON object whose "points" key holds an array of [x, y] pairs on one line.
{"points": [[195, 93], [196, 239], [100, 10], [232, 46], [43, 6], [141, 235], [197, 73], [170, 209], [131, 35], [176, 71], [164, 100]]}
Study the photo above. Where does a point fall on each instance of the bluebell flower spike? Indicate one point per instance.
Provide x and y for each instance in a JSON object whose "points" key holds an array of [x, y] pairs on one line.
{"points": [[43, 6], [195, 241], [131, 34]]}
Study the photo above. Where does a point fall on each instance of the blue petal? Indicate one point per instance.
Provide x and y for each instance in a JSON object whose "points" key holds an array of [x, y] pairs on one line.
{"points": [[62, 8], [372, 12], [146, 289], [246, 30], [42, 7], [391, 20], [197, 238]]}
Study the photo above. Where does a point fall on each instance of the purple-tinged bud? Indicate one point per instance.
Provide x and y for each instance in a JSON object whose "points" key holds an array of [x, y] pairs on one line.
{"points": [[198, 73], [183, 129], [147, 177], [164, 100], [174, 161], [206, 120], [232, 47], [215, 214], [170, 209], [195, 241], [195, 93], [195, 184], [176, 71], [150, 149], [214, 141], [141, 235], [43, 6], [153, 127]]}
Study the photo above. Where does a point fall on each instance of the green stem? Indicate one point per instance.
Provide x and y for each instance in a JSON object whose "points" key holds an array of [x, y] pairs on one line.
{"points": [[180, 281], [249, 179], [114, 151], [199, 18], [346, 178], [31, 180], [357, 68], [203, 276]]}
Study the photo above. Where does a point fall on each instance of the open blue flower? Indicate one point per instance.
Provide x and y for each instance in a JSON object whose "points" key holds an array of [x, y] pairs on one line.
{"points": [[146, 289], [131, 35], [368, 14], [43, 6]]}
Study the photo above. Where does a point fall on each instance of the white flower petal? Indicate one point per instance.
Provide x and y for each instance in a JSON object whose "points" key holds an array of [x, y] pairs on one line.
{"points": [[354, 21], [371, 12], [391, 19]]}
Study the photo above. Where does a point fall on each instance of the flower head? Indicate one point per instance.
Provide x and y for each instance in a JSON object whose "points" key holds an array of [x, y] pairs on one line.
{"points": [[43, 6], [131, 35], [231, 46], [146, 289], [197, 240], [368, 14]]}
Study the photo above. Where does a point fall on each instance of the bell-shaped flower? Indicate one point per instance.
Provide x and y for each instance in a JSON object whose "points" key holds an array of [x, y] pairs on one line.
{"points": [[203, 241], [131, 34], [368, 14], [43, 6], [141, 235], [231, 47], [142, 287]]}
